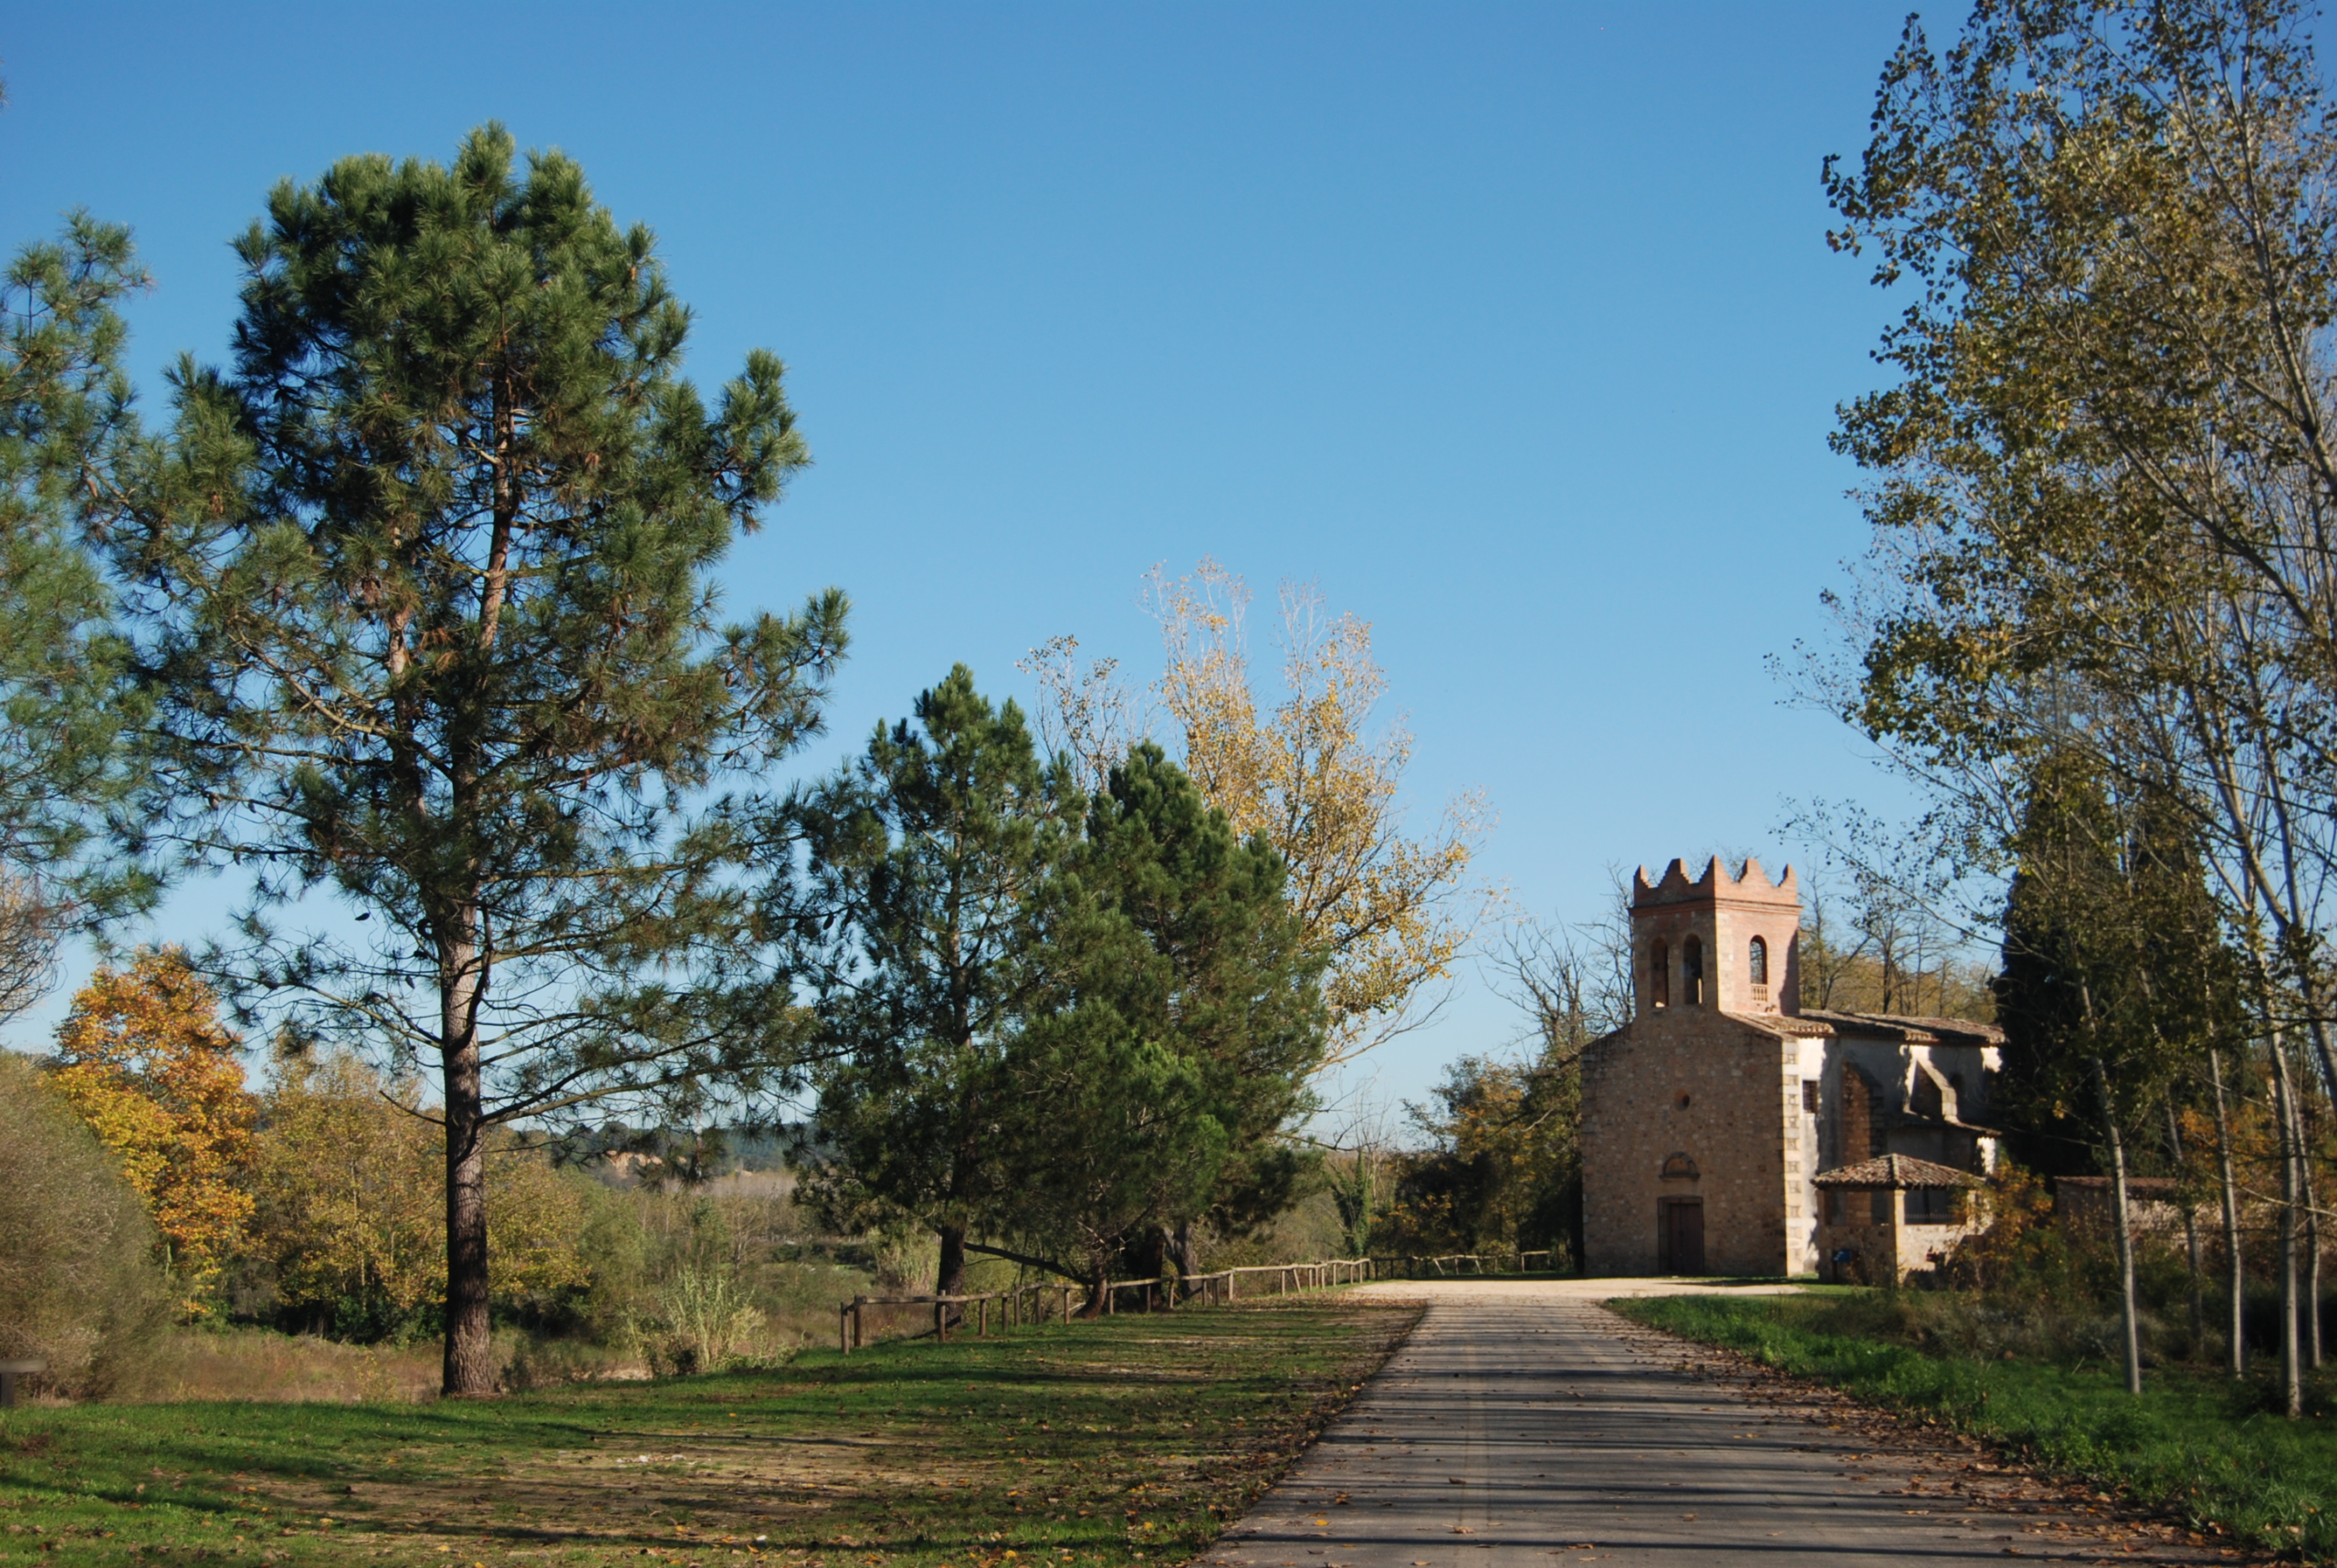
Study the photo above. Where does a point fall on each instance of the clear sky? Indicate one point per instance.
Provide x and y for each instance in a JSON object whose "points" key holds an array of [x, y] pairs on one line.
{"points": [[1514, 325]]}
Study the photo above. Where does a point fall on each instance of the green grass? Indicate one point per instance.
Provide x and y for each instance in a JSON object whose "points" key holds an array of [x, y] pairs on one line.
{"points": [[1130, 1439], [2195, 1443]]}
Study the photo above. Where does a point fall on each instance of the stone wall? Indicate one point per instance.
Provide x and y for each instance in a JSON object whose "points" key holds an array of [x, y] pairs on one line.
{"points": [[1689, 1082]]}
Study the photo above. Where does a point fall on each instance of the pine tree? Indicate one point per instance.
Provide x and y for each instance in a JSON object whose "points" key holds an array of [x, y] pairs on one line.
{"points": [[423, 580], [65, 706], [1186, 1017], [917, 930]]}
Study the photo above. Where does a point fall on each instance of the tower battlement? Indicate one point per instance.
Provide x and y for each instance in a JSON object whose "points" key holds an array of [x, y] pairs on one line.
{"points": [[1749, 886]]}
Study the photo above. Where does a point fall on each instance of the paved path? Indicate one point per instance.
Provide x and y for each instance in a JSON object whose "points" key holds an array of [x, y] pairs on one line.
{"points": [[1521, 1424]]}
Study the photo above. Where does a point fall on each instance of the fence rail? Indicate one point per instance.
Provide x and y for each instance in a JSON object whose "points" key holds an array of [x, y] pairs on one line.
{"points": [[1022, 1304], [1476, 1261]]}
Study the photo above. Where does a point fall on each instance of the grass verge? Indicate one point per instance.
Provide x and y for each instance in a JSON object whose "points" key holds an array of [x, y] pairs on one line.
{"points": [[2195, 1443], [1129, 1439]]}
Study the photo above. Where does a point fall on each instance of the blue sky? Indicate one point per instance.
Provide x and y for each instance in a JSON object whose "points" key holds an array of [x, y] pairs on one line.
{"points": [[1512, 326]]}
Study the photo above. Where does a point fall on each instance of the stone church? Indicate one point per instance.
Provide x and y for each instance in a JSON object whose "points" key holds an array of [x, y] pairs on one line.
{"points": [[1715, 1122]]}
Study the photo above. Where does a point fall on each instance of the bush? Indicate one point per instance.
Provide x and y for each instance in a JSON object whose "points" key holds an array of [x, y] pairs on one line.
{"points": [[78, 1285], [350, 1234]]}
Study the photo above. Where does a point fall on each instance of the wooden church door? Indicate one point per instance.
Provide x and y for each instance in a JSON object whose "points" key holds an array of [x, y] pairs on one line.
{"points": [[1684, 1236]]}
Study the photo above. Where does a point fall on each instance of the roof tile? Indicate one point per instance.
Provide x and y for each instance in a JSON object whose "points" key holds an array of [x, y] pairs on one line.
{"points": [[1896, 1171]]}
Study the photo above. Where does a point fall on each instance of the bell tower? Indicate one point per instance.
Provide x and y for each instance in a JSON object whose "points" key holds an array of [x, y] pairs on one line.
{"points": [[1722, 942]]}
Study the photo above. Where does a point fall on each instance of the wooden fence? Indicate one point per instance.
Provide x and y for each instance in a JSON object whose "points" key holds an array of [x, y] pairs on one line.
{"points": [[1025, 1305], [1476, 1263]]}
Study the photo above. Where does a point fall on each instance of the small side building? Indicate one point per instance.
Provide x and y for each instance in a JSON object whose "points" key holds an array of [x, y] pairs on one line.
{"points": [[1708, 1119], [1890, 1217]]}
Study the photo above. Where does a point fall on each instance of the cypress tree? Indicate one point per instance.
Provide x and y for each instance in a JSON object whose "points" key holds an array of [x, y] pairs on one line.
{"points": [[2114, 979], [423, 578]]}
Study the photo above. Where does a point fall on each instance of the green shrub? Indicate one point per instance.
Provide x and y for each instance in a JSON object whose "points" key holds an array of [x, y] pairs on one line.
{"points": [[78, 1286]]}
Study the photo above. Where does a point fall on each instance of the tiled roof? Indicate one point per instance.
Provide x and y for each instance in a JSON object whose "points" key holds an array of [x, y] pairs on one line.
{"points": [[1896, 1170], [1902, 1025], [1783, 1024]]}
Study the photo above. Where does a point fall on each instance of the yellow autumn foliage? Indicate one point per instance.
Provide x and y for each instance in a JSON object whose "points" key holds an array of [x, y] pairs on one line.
{"points": [[350, 1178], [144, 1059], [1391, 912]]}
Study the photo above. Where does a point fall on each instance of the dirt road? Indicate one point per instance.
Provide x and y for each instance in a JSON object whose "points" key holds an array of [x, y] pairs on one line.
{"points": [[1522, 1423]]}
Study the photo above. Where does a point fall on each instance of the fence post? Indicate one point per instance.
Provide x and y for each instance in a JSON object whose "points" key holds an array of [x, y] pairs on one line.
{"points": [[940, 1322], [844, 1330]]}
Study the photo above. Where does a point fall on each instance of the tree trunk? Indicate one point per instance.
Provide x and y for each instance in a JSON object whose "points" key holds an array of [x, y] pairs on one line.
{"points": [[2312, 1244], [1187, 1250], [2233, 1263], [949, 1278], [1147, 1257], [2190, 1232], [2285, 1110], [2125, 1230], [469, 1370]]}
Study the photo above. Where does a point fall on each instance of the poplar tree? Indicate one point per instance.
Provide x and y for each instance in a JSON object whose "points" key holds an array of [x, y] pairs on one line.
{"points": [[423, 578], [2102, 474]]}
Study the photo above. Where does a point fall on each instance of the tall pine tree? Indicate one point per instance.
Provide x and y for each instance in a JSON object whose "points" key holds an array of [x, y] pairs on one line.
{"points": [[64, 704], [424, 582]]}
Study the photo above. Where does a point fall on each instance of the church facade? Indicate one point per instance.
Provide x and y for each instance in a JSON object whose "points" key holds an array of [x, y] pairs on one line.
{"points": [[1727, 1130]]}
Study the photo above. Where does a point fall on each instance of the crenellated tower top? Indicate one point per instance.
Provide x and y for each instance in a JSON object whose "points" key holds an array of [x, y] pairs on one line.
{"points": [[1722, 941]]}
